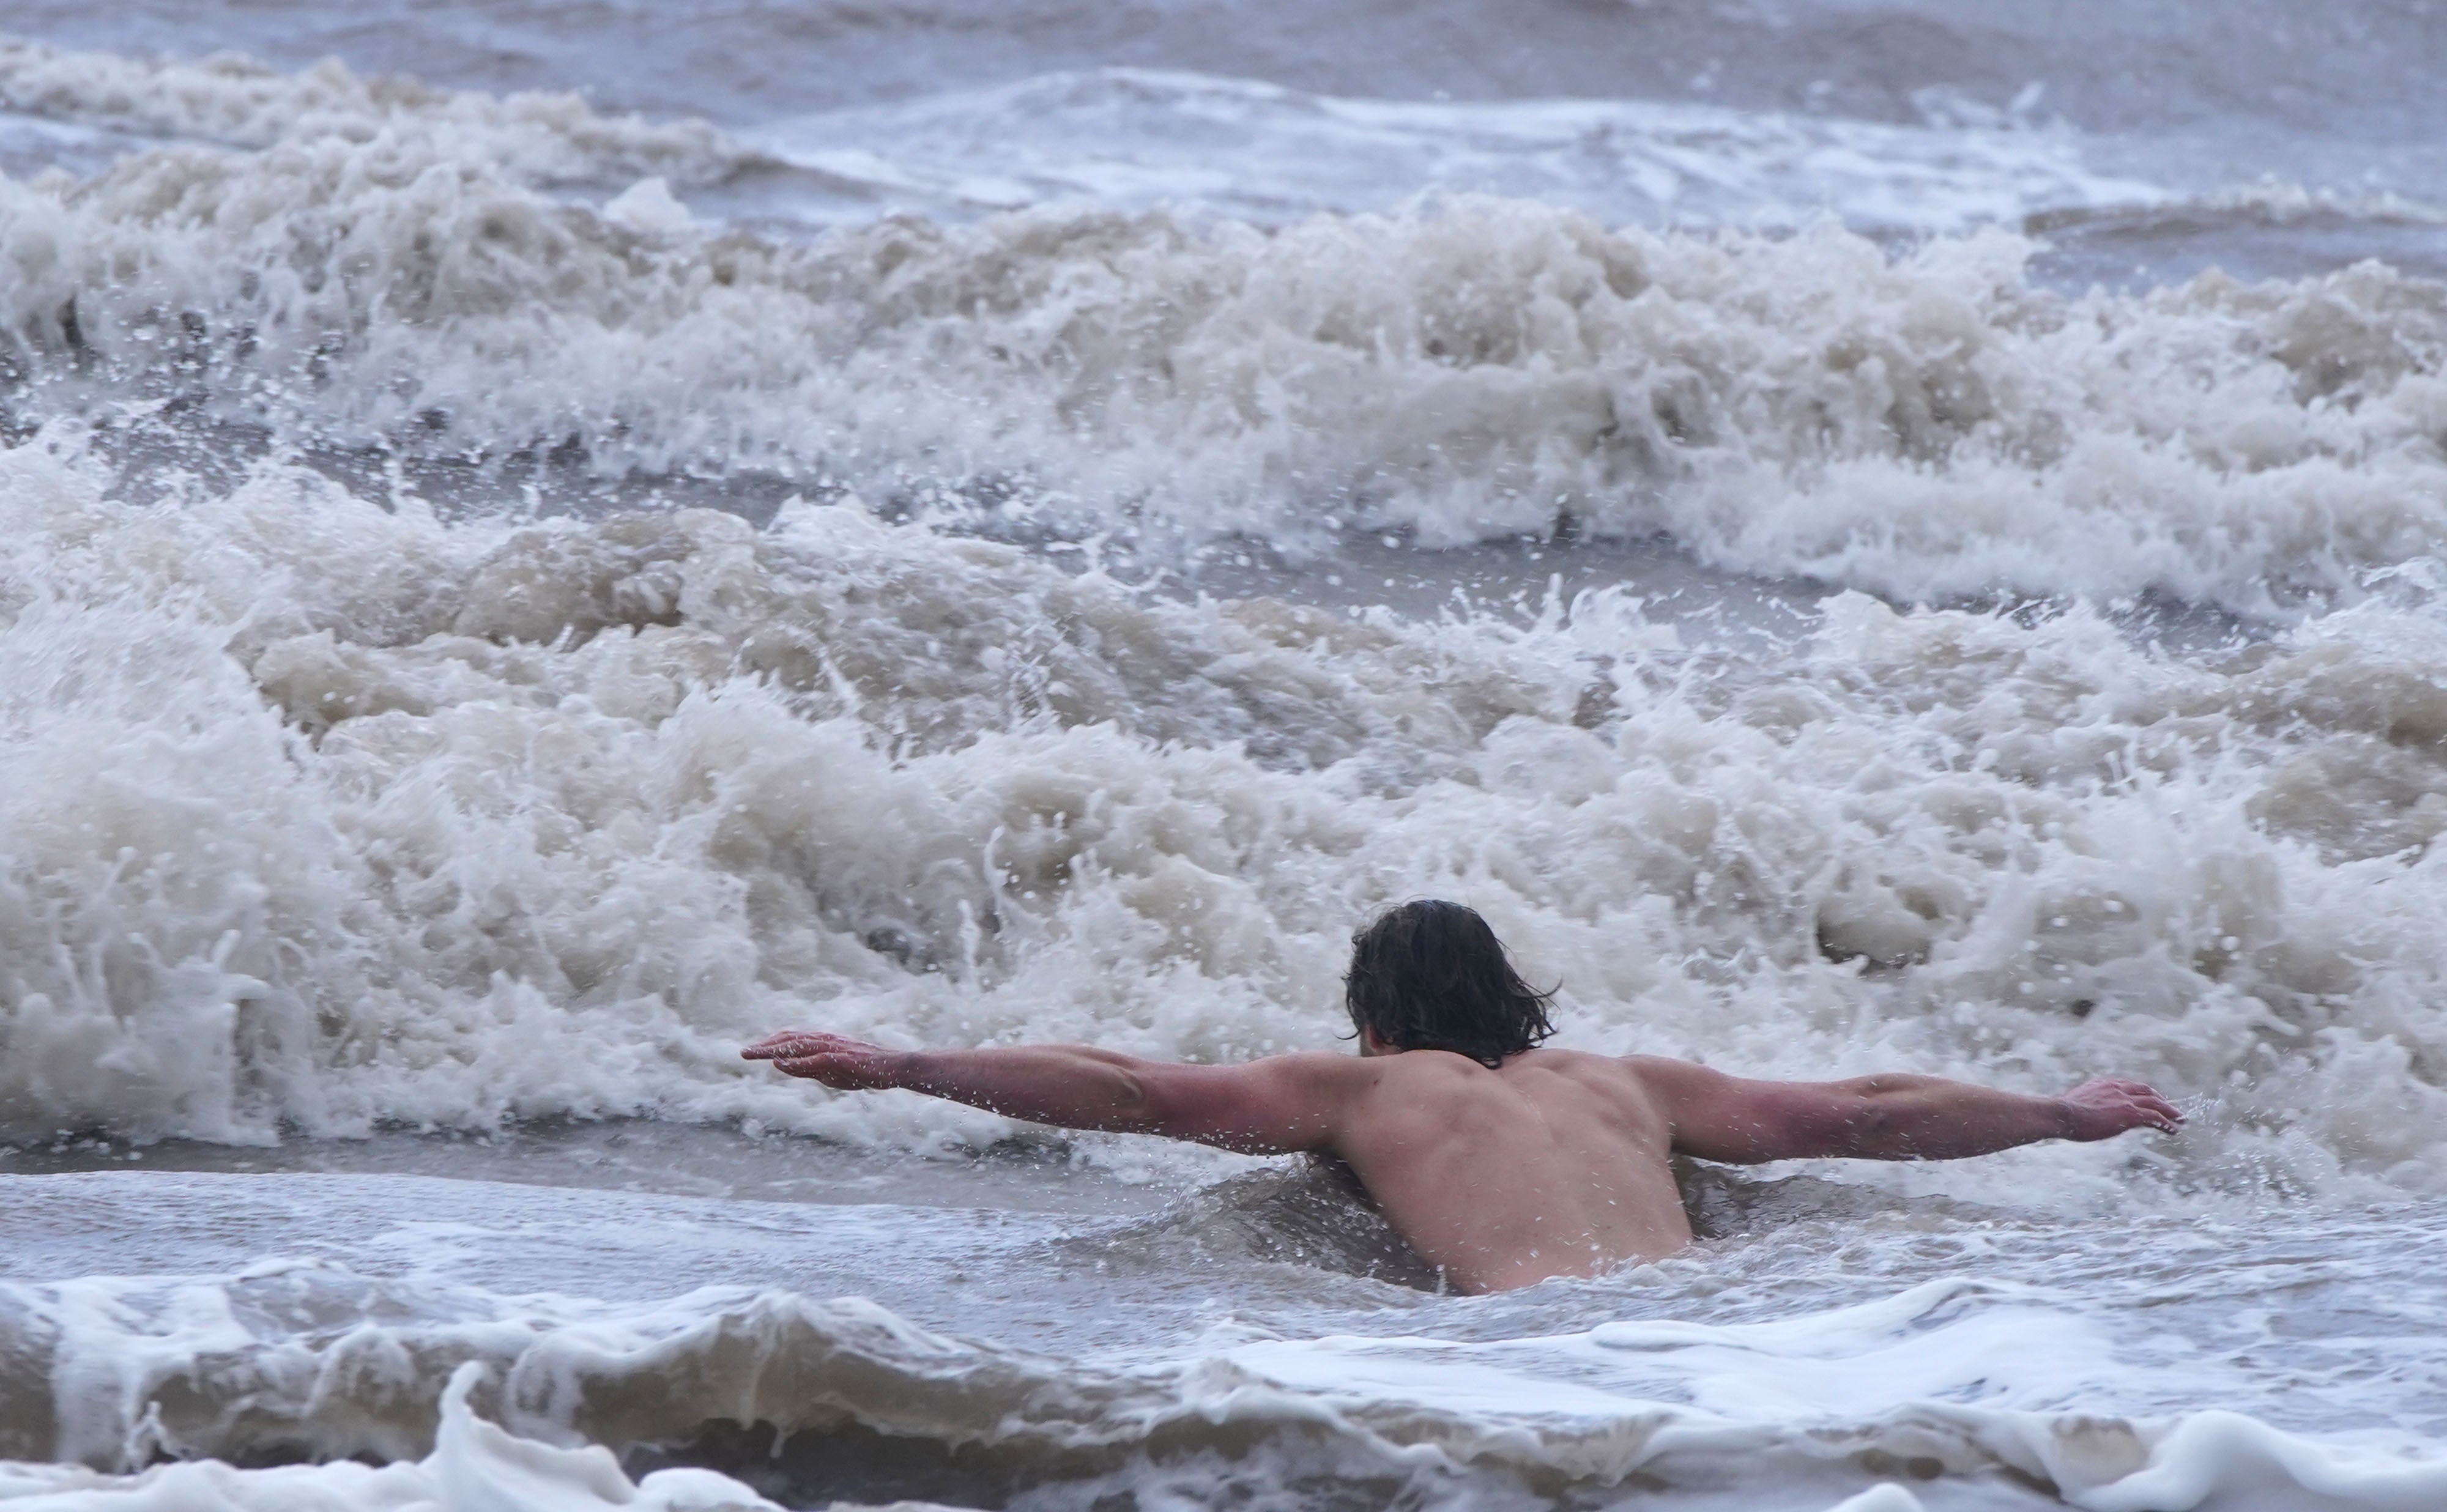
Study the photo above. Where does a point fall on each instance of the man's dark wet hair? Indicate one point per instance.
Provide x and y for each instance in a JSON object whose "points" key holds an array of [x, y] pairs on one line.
{"points": [[1431, 976]]}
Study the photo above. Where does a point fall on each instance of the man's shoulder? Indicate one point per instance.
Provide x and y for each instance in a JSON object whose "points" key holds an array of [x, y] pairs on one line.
{"points": [[1665, 1076], [1315, 1070], [1661, 1066]]}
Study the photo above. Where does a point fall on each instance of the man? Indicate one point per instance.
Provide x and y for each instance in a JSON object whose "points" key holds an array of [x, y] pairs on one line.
{"points": [[1501, 1164]]}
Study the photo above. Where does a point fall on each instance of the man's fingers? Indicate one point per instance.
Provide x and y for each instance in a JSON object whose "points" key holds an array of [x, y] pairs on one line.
{"points": [[793, 1042], [839, 1070], [783, 1054], [2138, 1092], [833, 1060], [2134, 1104], [2160, 1113], [2158, 1106]]}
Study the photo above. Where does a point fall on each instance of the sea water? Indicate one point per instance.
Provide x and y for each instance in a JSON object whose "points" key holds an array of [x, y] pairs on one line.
{"points": [[539, 543]]}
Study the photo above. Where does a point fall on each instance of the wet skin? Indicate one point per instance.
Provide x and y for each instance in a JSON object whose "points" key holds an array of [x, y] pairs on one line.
{"points": [[1553, 1164]]}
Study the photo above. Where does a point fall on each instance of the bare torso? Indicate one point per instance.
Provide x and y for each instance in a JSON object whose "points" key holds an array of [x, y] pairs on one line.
{"points": [[1556, 1165]]}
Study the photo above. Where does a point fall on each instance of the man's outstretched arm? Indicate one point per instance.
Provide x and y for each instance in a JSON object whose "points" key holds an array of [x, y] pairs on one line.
{"points": [[1282, 1103], [1895, 1117]]}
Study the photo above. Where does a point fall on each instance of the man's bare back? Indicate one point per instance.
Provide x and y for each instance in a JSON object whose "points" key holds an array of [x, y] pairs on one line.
{"points": [[1552, 1163]]}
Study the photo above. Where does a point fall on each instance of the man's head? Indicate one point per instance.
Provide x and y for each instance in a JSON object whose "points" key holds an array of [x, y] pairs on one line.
{"points": [[1431, 976]]}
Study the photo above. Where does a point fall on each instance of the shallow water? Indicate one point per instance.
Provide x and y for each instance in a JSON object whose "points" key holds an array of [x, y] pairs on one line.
{"points": [[567, 537]]}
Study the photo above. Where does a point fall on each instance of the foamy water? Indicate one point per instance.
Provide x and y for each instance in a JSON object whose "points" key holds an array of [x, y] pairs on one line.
{"points": [[506, 596]]}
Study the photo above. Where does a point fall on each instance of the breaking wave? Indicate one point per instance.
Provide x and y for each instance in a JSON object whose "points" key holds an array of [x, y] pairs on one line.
{"points": [[328, 817], [805, 1401], [383, 271]]}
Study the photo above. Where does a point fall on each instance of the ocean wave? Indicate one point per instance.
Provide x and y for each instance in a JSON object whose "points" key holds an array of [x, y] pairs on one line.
{"points": [[232, 101], [1139, 139], [1926, 424], [804, 1400], [324, 817]]}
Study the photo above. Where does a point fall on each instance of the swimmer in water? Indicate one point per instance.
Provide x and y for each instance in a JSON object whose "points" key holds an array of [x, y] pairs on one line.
{"points": [[1499, 1163]]}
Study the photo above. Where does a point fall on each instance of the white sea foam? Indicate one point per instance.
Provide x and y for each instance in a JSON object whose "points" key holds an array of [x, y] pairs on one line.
{"points": [[1952, 1380], [474, 1467], [230, 101], [328, 817], [1920, 423]]}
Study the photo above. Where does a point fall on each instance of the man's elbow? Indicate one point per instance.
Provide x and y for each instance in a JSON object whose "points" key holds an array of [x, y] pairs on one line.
{"points": [[1871, 1132], [1857, 1128], [1105, 1090], [1133, 1099], [1175, 1103]]}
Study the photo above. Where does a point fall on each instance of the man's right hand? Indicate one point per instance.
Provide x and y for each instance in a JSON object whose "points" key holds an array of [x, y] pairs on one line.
{"points": [[835, 1059], [2109, 1106]]}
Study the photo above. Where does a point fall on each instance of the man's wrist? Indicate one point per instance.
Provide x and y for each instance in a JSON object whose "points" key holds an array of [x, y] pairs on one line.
{"points": [[904, 1068]]}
